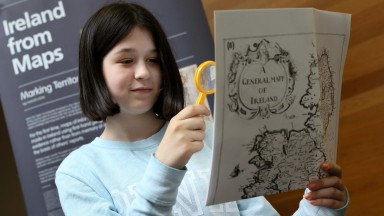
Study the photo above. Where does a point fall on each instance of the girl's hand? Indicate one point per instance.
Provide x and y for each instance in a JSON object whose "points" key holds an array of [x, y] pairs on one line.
{"points": [[328, 192], [184, 136]]}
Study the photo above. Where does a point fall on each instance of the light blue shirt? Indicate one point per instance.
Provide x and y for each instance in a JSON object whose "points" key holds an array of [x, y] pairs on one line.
{"points": [[124, 178]]}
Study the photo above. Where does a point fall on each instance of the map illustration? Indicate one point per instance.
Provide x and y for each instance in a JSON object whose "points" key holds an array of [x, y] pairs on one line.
{"points": [[277, 100], [282, 159]]}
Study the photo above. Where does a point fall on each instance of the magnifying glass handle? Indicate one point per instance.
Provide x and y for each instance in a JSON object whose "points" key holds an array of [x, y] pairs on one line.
{"points": [[201, 98]]}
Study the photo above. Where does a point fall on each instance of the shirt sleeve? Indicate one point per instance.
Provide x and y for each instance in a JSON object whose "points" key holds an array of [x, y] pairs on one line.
{"points": [[306, 208], [157, 191], [155, 194]]}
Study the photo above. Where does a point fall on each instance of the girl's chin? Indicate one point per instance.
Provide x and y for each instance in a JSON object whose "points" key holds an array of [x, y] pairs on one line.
{"points": [[140, 110]]}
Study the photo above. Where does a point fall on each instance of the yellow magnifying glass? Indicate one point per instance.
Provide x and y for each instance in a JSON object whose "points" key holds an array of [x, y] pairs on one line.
{"points": [[205, 80]]}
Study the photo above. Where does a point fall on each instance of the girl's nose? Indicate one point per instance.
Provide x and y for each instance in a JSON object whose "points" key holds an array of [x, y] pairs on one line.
{"points": [[142, 71]]}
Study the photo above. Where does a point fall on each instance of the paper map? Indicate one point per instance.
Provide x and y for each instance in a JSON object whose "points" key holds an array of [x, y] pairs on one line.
{"points": [[277, 99]]}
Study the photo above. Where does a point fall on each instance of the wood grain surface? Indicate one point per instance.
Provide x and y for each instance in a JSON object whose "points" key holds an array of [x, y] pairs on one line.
{"points": [[361, 127]]}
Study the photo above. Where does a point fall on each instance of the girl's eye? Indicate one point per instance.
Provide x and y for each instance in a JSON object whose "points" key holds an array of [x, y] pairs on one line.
{"points": [[126, 61], [153, 60]]}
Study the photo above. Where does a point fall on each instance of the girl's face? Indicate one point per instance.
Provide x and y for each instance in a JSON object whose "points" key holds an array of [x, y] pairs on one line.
{"points": [[132, 72]]}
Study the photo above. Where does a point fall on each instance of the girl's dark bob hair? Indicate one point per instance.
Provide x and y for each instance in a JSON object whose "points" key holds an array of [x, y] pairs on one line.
{"points": [[101, 33]]}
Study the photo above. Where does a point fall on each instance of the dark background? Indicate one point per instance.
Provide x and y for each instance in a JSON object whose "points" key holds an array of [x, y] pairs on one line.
{"points": [[11, 197]]}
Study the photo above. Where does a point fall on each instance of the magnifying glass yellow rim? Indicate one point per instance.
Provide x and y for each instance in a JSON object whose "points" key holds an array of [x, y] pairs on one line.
{"points": [[199, 70]]}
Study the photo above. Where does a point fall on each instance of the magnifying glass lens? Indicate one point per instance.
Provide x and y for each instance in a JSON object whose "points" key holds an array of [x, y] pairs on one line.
{"points": [[207, 78]]}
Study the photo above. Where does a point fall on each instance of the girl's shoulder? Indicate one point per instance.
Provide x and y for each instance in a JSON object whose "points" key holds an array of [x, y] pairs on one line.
{"points": [[75, 157]]}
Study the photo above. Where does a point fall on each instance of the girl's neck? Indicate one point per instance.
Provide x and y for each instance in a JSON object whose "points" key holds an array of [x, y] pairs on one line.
{"points": [[131, 128]]}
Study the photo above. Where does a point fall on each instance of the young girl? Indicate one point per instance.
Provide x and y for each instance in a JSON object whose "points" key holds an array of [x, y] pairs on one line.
{"points": [[151, 158]]}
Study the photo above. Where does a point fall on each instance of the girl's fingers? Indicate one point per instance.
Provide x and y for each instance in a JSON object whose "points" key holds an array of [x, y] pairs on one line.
{"points": [[194, 123], [332, 169], [190, 118], [328, 197], [327, 182], [197, 135], [192, 111], [198, 145], [327, 193], [329, 203]]}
